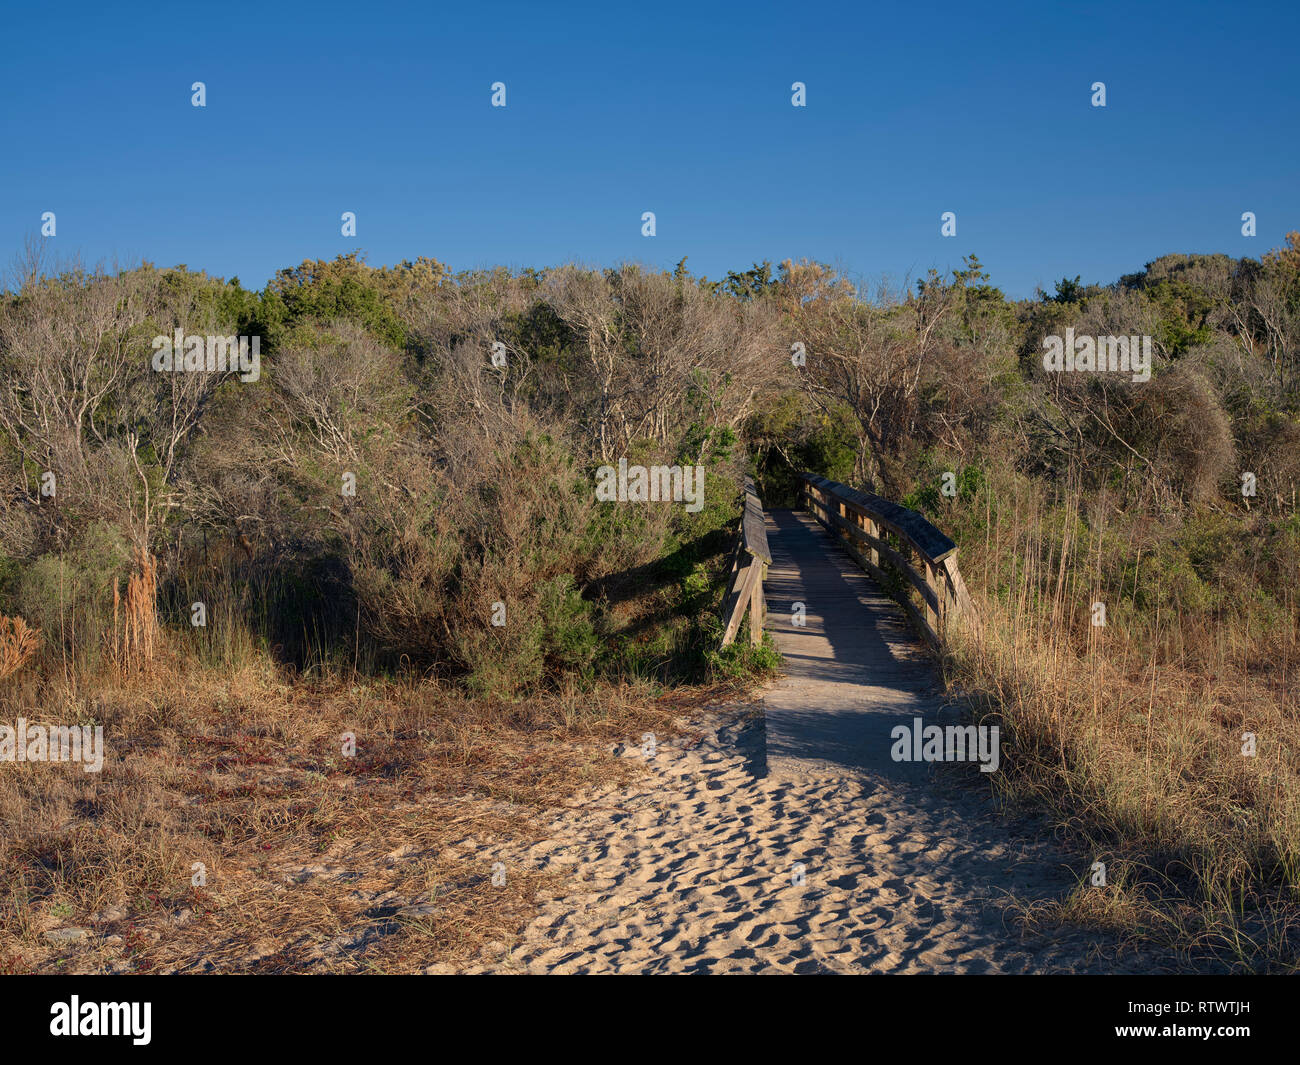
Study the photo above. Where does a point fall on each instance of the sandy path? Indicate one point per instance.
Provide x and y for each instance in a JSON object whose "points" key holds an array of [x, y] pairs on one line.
{"points": [[903, 868], [691, 870]]}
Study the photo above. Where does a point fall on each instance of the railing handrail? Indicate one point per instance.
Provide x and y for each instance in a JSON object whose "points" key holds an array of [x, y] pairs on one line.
{"points": [[749, 562], [863, 521], [926, 539], [752, 529]]}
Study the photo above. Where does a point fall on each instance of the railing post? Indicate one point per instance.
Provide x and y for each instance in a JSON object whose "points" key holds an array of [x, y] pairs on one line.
{"points": [[932, 581], [741, 595]]}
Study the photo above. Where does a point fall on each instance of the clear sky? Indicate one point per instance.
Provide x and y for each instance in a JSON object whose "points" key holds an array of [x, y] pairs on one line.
{"points": [[685, 110]]}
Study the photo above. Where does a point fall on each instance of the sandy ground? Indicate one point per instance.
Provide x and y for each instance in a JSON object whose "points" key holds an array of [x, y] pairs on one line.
{"points": [[693, 869]]}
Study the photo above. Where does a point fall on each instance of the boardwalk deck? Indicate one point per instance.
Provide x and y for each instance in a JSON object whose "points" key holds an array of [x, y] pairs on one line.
{"points": [[854, 670]]}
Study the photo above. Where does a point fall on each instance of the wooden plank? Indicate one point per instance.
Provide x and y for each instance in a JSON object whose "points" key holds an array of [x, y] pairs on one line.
{"points": [[872, 530], [922, 627], [749, 563], [933, 607], [753, 532], [965, 605], [937, 549], [739, 599], [913, 614], [929, 541], [736, 553], [939, 582], [734, 601], [817, 507], [900, 561]]}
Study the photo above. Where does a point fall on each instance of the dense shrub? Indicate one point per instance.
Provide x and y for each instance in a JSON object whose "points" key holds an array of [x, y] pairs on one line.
{"points": [[473, 474]]}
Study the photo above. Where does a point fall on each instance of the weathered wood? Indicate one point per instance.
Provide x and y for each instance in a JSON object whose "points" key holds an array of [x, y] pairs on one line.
{"points": [[753, 532], [965, 606], [879, 547], [933, 597], [861, 519], [913, 527], [749, 565], [741, 597], [870, 527], [918, 621]]}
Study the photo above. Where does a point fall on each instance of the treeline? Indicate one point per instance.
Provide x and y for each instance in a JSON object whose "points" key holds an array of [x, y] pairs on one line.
{"points": [[421, 445]]}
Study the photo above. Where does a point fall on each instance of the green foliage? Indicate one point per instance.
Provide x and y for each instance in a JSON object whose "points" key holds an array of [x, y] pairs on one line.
{"points": [[546, 337], [570, 638], [476, 485], [930, 500], [1178, 288], [749, 285], [1069, 291], [325, 291], [69, 596], [742, 660], [788, 434]]}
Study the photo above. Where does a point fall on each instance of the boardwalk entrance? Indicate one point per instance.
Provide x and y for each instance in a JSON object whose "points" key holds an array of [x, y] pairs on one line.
{"points": [[854, 669]]}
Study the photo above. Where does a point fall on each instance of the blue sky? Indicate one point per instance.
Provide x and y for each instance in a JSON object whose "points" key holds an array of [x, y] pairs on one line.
{"points": [[684, 110]]}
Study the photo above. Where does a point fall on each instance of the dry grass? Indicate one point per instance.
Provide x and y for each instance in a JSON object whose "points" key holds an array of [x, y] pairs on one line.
{"points": [[135, 642], [18, 643], [313, 859], [1134, 736]]}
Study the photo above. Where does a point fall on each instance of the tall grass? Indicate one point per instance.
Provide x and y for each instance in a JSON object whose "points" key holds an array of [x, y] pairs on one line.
{"points": [[1137, 734], [135, 642]]}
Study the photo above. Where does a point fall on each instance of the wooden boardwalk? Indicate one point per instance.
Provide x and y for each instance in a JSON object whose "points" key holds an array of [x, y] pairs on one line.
{"points": [[853, 671]]}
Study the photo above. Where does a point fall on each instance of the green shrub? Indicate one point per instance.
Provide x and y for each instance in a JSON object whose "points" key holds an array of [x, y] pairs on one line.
{"points": [[70, 596]]}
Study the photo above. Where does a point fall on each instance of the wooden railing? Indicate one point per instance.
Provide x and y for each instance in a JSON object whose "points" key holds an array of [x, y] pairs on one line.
{"points": [[749, 564], [889, 540]]}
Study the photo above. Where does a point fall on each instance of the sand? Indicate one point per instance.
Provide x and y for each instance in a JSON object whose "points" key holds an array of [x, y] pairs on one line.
{"points": [[693, 870]]}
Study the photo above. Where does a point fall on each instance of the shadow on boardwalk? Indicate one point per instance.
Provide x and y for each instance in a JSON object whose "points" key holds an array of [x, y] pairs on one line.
{"points": [[853, 670]]}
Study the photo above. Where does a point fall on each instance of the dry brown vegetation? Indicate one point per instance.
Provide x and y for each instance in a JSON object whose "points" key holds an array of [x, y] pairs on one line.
{"points": [[1166, 742], [314, 861], [131, 496], [18, 642], [1075, 490]]}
